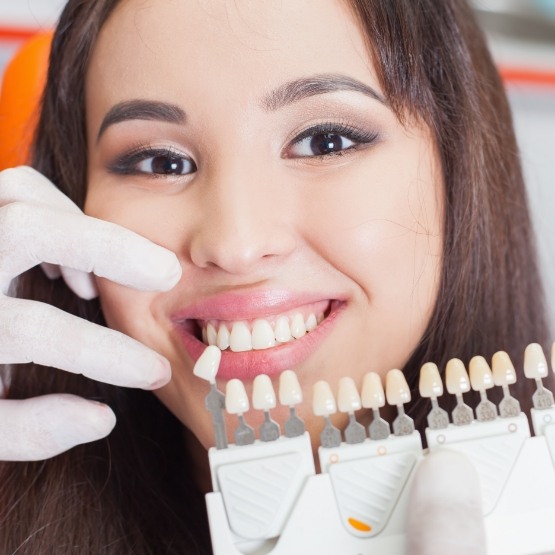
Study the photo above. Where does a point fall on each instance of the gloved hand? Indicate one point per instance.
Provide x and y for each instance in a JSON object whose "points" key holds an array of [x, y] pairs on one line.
{"points": [[445, 508], [40, 224]]}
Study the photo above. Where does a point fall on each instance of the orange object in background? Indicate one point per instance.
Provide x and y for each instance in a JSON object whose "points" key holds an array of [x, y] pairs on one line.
{"points": [[22, 87]]}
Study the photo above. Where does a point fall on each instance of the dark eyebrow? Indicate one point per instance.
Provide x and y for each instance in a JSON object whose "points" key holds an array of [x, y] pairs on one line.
{"points": [[141, 109], [296, 90]]}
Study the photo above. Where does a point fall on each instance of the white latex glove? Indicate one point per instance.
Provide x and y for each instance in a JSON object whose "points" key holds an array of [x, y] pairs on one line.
{"points": [[445, 508], [40, 224]]}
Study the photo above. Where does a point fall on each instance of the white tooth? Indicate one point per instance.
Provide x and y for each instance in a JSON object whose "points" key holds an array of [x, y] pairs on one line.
{"points": [[348, 399], [456, 377], [222, 339], [206, 367], [298, 328], [535, 365], [263, 395], [211, 334], [311, 323], [236, 400], [397, 390], [323, 402], [290, 392], [481, 377], [282, 330], [430, 384], [372, 393], [503, 369], [240, 339], [262, 335]]}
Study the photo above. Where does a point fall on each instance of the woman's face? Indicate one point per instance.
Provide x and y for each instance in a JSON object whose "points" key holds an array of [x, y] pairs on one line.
{"points": [[253, 140]]}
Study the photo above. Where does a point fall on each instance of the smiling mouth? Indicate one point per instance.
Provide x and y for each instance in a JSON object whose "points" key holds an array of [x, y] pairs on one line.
{"points": [[262, 333]]}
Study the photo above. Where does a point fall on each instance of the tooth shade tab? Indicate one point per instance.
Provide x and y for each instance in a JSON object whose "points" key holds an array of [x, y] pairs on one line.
{"points": [[372, 393], [397, 390], [535, 364], [206, 367], [263, 395], [348, 399], [430, 384], [290, 392], [323, 401], [456, 377], [236, 399], [503, 369], [481, 377]]}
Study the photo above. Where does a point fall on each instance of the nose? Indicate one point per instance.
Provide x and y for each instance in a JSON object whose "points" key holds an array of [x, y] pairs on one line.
{"points": [[244, 224]]}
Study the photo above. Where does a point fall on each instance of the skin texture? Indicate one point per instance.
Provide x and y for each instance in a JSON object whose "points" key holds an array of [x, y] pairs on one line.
{"points": [[364, 227]]}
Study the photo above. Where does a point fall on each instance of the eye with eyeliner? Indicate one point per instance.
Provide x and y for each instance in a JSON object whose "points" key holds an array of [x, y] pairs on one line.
{"points": [[331, 138], [164, 162]]}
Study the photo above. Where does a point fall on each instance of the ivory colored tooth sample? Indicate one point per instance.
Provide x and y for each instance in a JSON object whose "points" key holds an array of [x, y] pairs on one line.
{"points": [[348, 399], [323, 401], [504, 375], [323, 404], [456, 377], [397, 393], [397, 390], [290, 392], [372, 393], [503, 369], [373, 397], [430, 385], [263, 395], [206, 367], [535, 364], [481, 377], [236, 399], [458, 382]]}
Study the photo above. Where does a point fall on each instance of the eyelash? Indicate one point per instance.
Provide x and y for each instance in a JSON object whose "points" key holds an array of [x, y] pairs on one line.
{"points": [[127, 164], [357, 136]]}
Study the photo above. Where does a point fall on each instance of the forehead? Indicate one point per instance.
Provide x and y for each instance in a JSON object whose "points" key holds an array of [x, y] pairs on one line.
{"points": [[159, 48]]}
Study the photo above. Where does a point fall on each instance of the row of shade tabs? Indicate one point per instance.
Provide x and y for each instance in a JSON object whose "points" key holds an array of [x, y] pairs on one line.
{"points": [[480, 377]]}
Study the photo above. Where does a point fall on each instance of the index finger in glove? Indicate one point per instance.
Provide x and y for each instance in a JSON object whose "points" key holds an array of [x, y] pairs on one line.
{"points": [[32, 234], [445, 507], [31, 331], [42, 427]]}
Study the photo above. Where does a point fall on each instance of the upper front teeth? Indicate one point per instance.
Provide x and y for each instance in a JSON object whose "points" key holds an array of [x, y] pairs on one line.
{"points": [[263, 334]]}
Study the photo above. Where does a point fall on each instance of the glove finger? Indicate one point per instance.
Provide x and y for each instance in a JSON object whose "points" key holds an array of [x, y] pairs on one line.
{"points": [[37, 332], [33, 234], [42, 427], [445, 508], [81, 283]]}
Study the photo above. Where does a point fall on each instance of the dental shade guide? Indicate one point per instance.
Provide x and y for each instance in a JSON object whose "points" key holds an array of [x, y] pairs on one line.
{"points": [[267, 498], [290, 395]]}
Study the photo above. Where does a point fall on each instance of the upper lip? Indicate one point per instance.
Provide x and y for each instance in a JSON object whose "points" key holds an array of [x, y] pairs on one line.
{"points": [[246, 306]]}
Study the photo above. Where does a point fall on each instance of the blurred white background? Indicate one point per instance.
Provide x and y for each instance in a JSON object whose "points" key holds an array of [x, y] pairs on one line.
{"points": [[522, 39]]}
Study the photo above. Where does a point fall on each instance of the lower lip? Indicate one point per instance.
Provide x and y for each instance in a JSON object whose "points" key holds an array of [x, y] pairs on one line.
{"points": [[247, 365]]}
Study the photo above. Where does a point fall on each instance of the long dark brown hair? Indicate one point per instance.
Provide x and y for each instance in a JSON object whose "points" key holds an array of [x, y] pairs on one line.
{"points": [[132, 492]]}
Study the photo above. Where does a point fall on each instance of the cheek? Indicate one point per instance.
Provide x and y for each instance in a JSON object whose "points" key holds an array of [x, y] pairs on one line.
{"points": [[383, 228]]}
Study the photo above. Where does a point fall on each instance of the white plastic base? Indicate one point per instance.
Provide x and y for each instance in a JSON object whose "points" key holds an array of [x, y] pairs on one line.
{"points": [[519, 506]]}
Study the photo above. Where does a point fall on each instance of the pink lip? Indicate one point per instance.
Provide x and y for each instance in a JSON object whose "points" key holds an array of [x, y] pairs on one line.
{"points": [[231, 306]]}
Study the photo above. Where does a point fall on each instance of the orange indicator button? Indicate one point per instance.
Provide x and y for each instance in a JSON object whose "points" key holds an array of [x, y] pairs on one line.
{"points": [[360, 526]]}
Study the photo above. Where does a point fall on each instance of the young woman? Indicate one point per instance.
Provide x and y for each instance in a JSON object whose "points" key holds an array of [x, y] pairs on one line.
{"points": [[347, 164]]}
